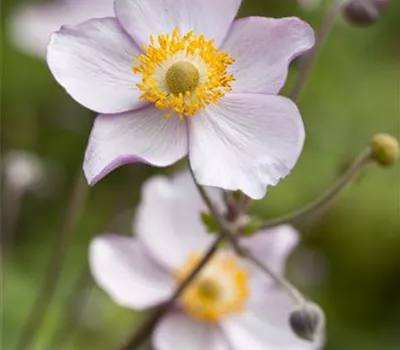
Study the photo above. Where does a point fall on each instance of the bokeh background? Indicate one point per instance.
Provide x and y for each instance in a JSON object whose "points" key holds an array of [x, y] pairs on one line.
{"points": [[349, 261]]}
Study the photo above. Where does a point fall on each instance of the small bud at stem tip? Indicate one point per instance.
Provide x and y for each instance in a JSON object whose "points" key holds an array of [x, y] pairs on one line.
{"points": [[363, 12], [385, 149], [308, 321]]}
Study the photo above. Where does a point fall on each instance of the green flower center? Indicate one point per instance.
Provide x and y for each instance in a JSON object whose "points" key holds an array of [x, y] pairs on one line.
{"points": [[182, 77], [209, 290]]}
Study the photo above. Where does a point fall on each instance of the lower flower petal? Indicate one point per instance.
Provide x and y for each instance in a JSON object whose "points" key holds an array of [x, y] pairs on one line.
{"points": [[249, 332], [143, 135], [168, 220], [246, 142], [122, 267], [177, 331]]}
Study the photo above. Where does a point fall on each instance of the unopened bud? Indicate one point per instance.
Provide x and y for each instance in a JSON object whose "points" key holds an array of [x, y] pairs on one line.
{"points": [[363, 12], [385, 149], [308, 321]]}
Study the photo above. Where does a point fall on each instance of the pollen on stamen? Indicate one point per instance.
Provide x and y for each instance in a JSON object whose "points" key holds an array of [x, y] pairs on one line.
{"points": [[183, 74]]}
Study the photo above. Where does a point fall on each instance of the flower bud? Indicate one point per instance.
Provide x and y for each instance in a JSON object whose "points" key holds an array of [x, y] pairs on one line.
{"points": [[308, 321], [385, 149], [363, 12]]}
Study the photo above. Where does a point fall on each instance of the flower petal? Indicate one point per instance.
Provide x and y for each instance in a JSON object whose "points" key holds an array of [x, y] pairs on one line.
{"points": [[121, 266], [30, 26], [273, 246], [267, 300], [143, 135], [246, 142], [93, 62], [263, 49], [247, 331], [168, 219], [177, 331], [153, 17]]}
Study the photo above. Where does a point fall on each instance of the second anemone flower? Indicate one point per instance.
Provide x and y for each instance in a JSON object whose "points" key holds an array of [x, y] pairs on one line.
{"points": [[230, 305], [172, 78]]}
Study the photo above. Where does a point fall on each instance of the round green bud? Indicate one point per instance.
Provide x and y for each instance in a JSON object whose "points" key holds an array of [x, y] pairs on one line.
{"points": [[182, 77], [308, 321], [385, 149], [363, 12]]}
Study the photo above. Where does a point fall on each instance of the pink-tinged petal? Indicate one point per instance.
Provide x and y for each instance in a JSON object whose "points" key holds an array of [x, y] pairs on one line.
{"points": [[168, 219], [249, 332], [177, 331], [267, 301], [30, 26], [246, 142], [273, 246], [143, 135], [153, 17], [263, 49], [121, 266], [93, 62]]}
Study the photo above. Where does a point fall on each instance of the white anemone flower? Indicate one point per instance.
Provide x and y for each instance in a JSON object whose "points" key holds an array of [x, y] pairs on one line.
{"points": [[230, 305], [31, 25], [177, 78]]}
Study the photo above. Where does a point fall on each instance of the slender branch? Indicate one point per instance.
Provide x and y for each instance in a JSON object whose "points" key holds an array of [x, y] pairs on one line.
{"points": [[363, 159], [307, 61], [147, 327], [280, 280], [229, 234], [46, 291], [81, 291], [14, 198], [228, 231], [75, 305], [221, 221], [245, 202]]}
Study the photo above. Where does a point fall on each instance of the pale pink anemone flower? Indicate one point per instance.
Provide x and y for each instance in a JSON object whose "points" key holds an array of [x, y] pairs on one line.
{"points": [[231, 305], [172, 78], [31, 25]]}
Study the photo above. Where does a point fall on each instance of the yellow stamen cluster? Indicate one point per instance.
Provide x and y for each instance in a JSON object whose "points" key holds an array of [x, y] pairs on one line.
{"points": [[219, 290], [170, 49]]}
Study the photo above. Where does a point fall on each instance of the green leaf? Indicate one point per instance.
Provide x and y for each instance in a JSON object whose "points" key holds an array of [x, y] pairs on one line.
{"points": [[252, 227], [209, 222]]}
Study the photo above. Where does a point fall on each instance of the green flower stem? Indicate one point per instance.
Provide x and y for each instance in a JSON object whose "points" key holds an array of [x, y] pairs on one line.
{"points": [[230, 234], [45, 294], [364, 158], [14, 198]]}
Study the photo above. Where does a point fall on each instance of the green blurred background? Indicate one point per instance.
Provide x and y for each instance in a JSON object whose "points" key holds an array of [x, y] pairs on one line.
{"points": [[350, 259]]}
